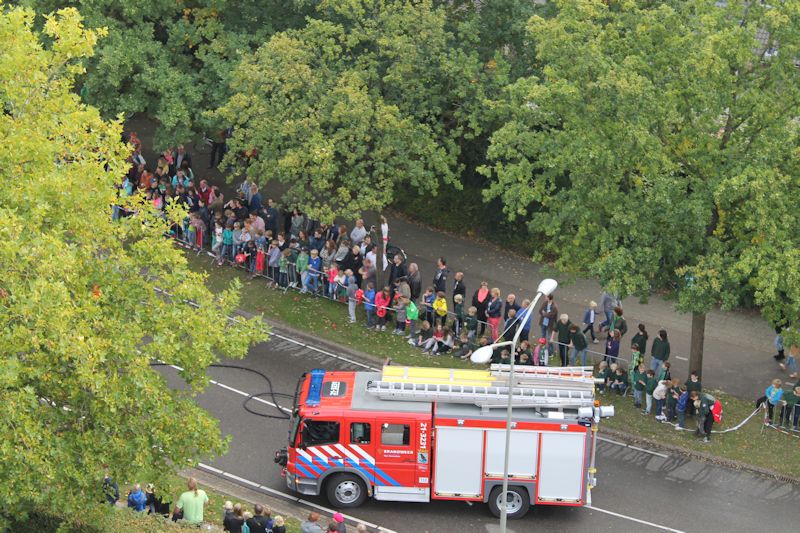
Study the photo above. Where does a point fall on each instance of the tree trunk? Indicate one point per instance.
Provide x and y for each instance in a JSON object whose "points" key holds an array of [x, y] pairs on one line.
{"points": [[698, 339], [380, 249]]}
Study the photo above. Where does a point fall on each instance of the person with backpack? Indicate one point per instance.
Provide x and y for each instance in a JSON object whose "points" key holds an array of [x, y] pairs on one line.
{"points": [[704, 405]]}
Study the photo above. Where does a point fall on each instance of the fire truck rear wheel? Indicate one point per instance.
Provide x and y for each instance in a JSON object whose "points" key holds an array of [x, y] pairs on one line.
{"points": [[346, 490], [518, 502]]}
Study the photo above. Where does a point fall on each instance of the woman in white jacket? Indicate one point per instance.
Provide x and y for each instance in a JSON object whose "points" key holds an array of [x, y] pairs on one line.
{"points": [[660, 396]]}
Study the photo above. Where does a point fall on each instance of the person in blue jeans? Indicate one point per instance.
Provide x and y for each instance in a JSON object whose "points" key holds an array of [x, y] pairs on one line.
{"points": [[577, 340], [369, 304], [311, 283], [680, 407]]}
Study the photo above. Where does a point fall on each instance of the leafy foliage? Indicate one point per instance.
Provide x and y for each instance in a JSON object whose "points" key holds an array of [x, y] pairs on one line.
{"points": [[79, 318], [171, 59], [658, 149], [369, 97]]}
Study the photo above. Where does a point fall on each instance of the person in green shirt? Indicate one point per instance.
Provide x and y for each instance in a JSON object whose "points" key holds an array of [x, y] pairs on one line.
{"points": [[561, 334], [693, 384], [664, 372], [639, 382], [619, 381], [791, 408], [192, 502], [604, 374], [458, 310], [659, 351], [301, 265], [618, 321], [524, 352], [636, 358], [650, 386], [283, 268], [579, 343], [703, 402], [412, 315], [471, 323], [673, 394]]}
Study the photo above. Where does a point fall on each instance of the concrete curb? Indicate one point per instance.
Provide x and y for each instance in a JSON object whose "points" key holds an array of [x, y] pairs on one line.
{"points": [[628, 438], [636, 440]]}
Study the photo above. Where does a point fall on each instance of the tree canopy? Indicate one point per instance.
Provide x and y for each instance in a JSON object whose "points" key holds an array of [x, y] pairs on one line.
{"points": [[369, 97], [658, 150], [171, 60], [80, 320]]}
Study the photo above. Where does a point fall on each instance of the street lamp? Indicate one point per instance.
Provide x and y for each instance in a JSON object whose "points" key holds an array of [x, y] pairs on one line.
{"points": [[484, 355]]}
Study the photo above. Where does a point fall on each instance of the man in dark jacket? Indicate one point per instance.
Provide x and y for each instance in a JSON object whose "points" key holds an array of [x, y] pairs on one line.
{"points": [[110, 489], [414, 282], [511, 303], [262, 519], [548, 312], [271, 217], [440, 278], [459, 287]]}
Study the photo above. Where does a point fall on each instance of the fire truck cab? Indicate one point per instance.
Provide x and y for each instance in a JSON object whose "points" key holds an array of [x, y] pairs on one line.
{"points": [[420, 434]]}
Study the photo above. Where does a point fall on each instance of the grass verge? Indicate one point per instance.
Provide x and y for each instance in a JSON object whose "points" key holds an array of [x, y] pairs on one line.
{"points": [[768, 449], [328, 320], [319, 317]]}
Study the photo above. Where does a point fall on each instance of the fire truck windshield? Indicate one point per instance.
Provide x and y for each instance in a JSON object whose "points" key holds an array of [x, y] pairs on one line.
{"points": [[294, 426]]}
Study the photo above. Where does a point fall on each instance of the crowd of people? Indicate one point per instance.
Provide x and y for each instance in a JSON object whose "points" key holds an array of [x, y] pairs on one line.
{"points": [[236, 518], [290, 250]]}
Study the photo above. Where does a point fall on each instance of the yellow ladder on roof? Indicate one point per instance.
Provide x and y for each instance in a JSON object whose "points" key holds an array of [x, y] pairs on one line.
{"points": [[437, 376]]}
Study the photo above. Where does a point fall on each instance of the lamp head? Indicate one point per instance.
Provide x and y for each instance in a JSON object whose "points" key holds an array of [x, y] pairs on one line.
{"points": [[482, 355], [547, 286]]}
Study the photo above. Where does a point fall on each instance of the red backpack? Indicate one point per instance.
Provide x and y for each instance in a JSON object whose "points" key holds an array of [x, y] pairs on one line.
{"points": [[716, 410]]}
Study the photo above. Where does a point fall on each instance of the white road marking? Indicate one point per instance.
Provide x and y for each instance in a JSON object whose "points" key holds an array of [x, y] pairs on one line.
{"points": [[632, 519], [355, 519], [632, 447], [239, 392], [681, 358], [288, 496], [288, 339]]}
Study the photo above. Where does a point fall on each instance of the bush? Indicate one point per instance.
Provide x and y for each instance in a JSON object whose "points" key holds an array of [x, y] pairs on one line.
{"points": [[100, 519]]}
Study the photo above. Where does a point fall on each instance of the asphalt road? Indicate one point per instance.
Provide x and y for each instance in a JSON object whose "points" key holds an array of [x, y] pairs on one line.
{"points": [[672, 492]]}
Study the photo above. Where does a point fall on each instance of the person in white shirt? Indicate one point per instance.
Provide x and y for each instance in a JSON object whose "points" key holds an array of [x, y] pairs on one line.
{"points": [[359, 232]]}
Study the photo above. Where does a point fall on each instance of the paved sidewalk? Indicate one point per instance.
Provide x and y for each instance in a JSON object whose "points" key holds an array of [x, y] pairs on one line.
{"points": [[738, 345]]}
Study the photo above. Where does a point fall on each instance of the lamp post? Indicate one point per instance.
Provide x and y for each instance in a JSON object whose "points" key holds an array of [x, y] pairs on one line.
{"points": [[483, 355]]}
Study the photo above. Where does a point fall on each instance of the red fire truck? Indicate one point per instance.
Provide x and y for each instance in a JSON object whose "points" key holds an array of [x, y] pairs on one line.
{"points": [[420, 434]]}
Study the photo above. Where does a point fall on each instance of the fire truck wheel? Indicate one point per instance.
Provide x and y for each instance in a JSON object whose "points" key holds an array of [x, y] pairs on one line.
{"points": [[518, 503], [346, 490]]}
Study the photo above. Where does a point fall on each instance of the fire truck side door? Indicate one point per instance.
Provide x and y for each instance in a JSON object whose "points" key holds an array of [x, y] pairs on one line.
{"points": [[396, 453], [360, 448]]}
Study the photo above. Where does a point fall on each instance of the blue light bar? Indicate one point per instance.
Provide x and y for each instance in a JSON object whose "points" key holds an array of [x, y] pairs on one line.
{"points": [[315, 388]]}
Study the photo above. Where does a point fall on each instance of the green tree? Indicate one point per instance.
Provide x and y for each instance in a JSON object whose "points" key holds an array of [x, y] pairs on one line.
{"points": [[171, 59], [369, 98], [80, 321], [658, 151]]}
